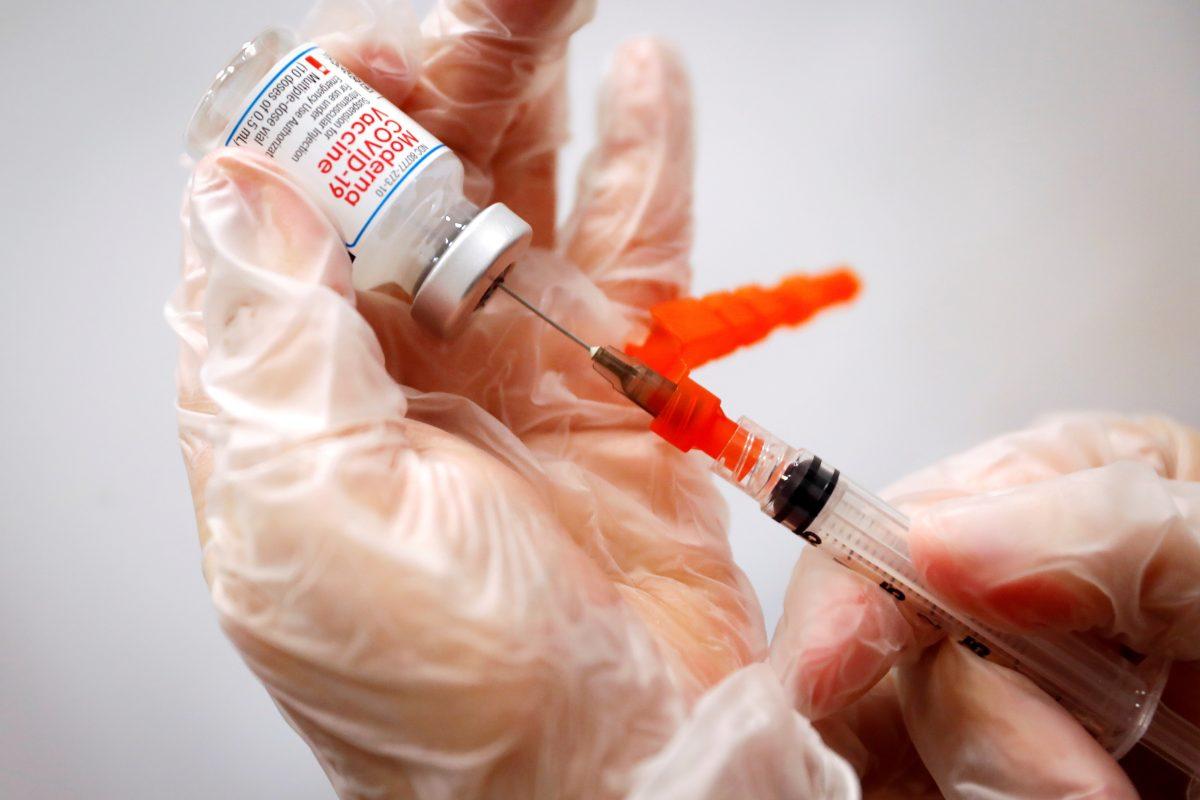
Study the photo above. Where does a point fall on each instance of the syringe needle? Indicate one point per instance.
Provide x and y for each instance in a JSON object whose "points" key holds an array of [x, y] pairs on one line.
{"points": [[630, 377], [545, 319]]}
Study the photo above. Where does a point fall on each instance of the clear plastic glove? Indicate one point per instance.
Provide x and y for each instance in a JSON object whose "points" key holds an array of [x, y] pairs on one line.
{"points": [[467, 569], [1084, 523]]}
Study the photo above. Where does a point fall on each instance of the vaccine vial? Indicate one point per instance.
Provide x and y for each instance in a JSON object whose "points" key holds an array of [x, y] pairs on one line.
{"points": [[390, 188]]}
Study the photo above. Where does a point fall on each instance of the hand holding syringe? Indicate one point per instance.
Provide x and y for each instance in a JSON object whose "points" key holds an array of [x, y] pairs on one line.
{"points": [[1111, 691]]}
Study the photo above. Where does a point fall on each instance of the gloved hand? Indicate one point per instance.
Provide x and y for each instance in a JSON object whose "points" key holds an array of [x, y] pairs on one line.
{"points": [[467, 569], [1087, 522]]}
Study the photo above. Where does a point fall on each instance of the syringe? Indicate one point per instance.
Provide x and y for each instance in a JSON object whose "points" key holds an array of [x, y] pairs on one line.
{"points": [[1112, 691]]}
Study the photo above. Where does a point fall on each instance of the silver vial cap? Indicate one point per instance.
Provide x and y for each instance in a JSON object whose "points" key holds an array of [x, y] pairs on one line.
{"points": [[471, 264]]}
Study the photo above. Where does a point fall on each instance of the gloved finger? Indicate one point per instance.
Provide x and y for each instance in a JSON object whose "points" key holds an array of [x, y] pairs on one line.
{"points": [[1055, 446], [871, 735], [987, 732], [839, 634], [525, 168], [213, 200], [631, 227], [1114, 550], [377, 40], [288, 353], [491, 90], [743, 740]]}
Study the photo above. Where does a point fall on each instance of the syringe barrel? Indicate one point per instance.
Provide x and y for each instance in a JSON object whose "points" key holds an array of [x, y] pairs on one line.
{"points": [[1111, 691]]}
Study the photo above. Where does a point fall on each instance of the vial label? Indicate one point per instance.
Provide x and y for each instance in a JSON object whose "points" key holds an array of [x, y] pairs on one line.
{"points": [[346, 144]]}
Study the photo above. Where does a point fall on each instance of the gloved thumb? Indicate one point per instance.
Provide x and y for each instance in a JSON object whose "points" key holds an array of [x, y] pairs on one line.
{"points": [[1114, 550], [289, 354]]}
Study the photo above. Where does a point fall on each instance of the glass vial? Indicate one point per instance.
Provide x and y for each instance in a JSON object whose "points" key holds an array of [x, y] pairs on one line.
{"points": [[390, 188]]}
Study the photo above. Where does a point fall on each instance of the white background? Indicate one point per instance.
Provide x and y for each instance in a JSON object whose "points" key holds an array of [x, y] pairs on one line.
{"points": [[1018, 183]]}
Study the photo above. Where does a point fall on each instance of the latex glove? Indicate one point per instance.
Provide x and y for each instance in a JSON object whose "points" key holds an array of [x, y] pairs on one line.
{"points": [[467, 569], [1087, 522]]}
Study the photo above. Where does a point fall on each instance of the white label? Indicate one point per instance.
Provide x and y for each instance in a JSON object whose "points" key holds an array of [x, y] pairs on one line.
{"points": [[352, 149]]}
